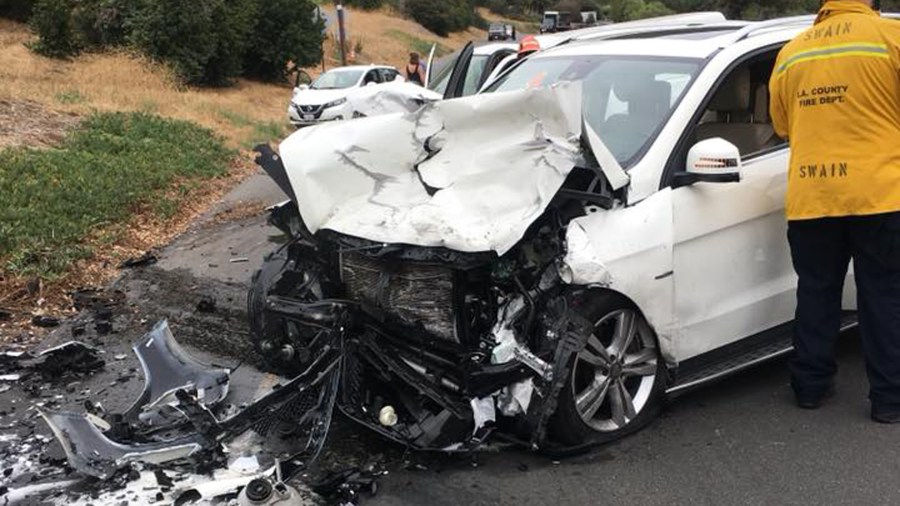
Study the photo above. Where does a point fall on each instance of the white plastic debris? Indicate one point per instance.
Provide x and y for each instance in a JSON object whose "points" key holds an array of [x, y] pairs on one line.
{"points": [[483, 411], [516, 398], [245, 465]]}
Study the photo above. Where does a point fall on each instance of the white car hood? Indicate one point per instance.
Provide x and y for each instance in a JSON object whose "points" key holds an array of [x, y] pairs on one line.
{"points": [[497, 160], [319, 97]]}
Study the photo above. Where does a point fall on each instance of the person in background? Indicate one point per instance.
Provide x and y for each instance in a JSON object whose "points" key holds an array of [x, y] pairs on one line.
{"points": [[414, 72], [835, 95]]}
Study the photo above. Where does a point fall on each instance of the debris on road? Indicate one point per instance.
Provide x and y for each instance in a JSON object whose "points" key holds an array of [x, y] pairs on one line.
{"points": [[45, 321], [207, 304], [148, 258]]}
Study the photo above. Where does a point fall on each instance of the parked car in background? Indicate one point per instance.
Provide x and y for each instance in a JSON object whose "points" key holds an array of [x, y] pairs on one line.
{"points": [[326, 98], [501, 31]]}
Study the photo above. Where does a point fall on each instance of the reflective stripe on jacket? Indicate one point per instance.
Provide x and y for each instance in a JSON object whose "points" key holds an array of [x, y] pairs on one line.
{"points": [[835, 94]]}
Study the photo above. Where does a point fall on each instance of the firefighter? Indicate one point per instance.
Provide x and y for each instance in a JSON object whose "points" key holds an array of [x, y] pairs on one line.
{"points": [[529, 44], [835, 93]]}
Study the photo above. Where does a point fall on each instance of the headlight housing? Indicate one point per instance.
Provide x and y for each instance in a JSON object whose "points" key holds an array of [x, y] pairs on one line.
{"points": [[335, 103]]}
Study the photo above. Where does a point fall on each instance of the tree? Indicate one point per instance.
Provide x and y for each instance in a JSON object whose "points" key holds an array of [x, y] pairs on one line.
{"points": [[286, 31]]}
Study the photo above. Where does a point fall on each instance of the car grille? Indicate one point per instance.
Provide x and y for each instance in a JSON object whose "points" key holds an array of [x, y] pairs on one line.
{"points": [[315, 110], [417, 295]]}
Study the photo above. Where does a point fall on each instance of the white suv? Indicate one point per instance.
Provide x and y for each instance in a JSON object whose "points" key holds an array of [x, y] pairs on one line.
{"points": [[476, 279]]}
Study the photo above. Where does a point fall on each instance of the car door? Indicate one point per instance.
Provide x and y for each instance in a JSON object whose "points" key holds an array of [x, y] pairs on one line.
{"points": [[732, 265]]}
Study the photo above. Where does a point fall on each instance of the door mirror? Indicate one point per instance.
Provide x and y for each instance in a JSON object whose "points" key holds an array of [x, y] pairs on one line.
{"points": [[711, 161]]}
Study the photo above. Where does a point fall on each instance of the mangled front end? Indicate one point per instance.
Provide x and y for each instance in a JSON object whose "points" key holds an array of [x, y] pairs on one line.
{"points": [[438, 236]]}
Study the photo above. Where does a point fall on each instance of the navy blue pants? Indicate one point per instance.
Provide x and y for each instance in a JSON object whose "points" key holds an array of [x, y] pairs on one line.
{"points": [[821, 251]]}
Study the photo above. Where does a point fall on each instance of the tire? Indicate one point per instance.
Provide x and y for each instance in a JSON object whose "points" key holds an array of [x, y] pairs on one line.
{"points": [[619, 393]]}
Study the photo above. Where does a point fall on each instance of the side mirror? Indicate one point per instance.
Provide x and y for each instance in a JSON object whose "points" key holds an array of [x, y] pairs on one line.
{"points": [[370, 83], [711, 161], [302, 87]]}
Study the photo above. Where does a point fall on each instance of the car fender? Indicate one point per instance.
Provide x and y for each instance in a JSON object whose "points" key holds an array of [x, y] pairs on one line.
{"points": [[628, 250]]}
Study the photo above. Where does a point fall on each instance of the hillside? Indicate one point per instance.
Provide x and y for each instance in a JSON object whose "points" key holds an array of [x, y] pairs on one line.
{"points": [[387, 38], [246, 113]]}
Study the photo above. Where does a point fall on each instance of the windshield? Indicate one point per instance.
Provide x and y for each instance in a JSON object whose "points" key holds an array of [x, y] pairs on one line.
{"points": [[625, 99], [337, 80]]}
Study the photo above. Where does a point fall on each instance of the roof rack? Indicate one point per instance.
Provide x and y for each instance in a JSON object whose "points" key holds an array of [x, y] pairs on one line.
{"points": [[752, 29]]}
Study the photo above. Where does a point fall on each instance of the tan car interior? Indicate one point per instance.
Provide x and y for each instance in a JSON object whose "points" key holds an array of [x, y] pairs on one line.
{"points": [[739, 110]]}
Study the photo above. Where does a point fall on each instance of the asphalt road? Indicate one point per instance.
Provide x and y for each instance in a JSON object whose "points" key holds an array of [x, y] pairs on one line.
{"points": [[739, 441]]}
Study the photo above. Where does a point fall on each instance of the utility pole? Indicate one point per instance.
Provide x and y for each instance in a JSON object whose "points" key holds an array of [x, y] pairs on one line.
{"points": [[342, 35]]}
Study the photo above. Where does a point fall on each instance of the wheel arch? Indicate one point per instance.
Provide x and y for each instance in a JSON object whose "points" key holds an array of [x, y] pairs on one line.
{"points": [[663, 341]]}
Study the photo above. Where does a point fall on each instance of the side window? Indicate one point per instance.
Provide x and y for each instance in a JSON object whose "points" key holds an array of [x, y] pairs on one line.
{"points": [[739, 109], [372, 77], [389, 75]]}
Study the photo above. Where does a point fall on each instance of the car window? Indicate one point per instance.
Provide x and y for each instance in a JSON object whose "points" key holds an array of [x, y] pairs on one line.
{"points": [[337, 80], [372, 76], [738, 108], [625, 99], [473, 74], [389, 75]]}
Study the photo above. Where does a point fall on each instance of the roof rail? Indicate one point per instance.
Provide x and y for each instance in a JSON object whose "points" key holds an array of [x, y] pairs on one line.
{"points": [[753, 28]]}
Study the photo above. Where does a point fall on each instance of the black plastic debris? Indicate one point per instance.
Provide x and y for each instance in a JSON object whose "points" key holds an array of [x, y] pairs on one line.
{"points": [[348, 485], [95, 298], [71, 357], [45, 321], [207, 304], [144, 260]]}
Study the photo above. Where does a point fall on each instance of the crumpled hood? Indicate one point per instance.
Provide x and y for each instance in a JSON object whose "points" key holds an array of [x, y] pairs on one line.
{"points": [[469, 174], [395, 96]]}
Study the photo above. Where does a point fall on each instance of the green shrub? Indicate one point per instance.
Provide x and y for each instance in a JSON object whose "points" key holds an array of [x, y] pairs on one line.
{"points": [[203, 40], [17, 10], [102, 23], [52, 20], [286, 32], [111, 166], [441, 16]]}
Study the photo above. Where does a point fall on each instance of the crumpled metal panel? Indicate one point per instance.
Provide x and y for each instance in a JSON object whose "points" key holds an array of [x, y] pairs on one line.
{"points": [[90, 452], [397, 96], [167, 369], [468, 174]]}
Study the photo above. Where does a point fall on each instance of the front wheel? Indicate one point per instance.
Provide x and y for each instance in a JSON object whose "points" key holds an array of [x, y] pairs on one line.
{"points": [[616, 381]]}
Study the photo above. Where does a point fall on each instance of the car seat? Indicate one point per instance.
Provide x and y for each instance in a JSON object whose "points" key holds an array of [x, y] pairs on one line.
{"points": [[748, 128]]}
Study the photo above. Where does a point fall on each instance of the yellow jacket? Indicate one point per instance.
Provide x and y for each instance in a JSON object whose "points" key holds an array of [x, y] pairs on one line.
{"points": [[835, 94]]}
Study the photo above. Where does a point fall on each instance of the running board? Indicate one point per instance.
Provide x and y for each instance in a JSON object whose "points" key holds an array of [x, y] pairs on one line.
{"points": [[771, 349]]}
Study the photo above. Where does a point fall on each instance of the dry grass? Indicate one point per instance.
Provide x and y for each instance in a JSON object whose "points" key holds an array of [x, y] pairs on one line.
{"points": [[125, 82], [28, 123]]}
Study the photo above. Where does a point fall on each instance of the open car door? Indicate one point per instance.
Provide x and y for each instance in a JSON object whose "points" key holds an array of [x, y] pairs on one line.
{"points": [[429, 66]]}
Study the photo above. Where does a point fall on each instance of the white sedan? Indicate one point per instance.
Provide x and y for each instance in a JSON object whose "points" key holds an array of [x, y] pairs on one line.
{"points": [[331, 96]]}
